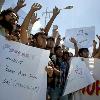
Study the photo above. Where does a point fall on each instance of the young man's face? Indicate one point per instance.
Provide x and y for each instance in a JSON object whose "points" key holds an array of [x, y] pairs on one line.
{"points": [[66, 56], [85, 54], [41, 41], [11, 18], [50, 43], [59, 52], [9, 21]]}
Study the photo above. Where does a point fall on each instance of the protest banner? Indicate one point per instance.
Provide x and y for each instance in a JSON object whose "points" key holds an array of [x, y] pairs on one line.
{"points": [[79, 76], [84, 37], [94, 67], [92, 91], [22, 71]]}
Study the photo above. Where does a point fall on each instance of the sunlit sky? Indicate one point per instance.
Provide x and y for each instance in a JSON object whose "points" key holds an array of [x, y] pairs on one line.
{"points": [[84, 13]]}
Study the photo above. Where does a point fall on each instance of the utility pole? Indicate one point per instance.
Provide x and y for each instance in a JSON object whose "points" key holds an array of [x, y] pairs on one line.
{"points": [[47, 13]]}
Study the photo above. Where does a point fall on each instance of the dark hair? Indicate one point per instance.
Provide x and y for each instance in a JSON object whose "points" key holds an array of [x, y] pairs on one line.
{"points": [[81, 50], [39, 33], [7, 11], [50, 38], [56, 48], [65, 52]]}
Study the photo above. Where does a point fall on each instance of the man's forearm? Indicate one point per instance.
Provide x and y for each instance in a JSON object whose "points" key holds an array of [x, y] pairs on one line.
{"points": [[47, 28]]}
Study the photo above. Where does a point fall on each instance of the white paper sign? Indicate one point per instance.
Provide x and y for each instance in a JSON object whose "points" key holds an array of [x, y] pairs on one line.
{"points": [[96, 69], [93, 65], [78, 77], [22, 71], [84, 37]]}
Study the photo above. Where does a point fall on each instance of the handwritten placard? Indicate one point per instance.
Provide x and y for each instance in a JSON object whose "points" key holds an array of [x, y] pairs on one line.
{"points": [[94, 67], [84, 37], [22, 71], [78, 77]]}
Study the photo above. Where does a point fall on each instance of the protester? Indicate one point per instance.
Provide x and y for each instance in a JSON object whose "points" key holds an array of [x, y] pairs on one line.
{"points": [[8, 20], [25, 24]]}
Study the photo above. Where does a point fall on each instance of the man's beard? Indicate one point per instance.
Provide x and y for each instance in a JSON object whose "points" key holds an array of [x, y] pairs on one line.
{"points": [[7, 25]]}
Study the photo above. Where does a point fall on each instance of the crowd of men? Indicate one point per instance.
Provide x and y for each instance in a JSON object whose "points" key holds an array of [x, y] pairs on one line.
{"points": [[60, 57]]}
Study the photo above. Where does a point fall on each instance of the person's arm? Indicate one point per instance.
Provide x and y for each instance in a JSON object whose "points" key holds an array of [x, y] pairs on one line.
{"points": [[56, 71], [25, 24], [49, 70], [32, 21], [94, 48], [97, 55], [75, 46], [57, 42], [20, 4], [56, 11], [99, 41], [34, 18], [55, 34]]}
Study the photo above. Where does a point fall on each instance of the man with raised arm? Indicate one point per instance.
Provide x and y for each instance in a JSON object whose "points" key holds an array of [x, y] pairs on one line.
{"points": [[25, 24]]}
